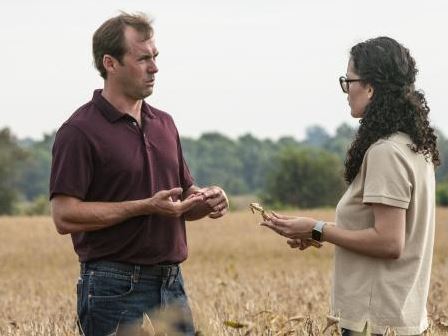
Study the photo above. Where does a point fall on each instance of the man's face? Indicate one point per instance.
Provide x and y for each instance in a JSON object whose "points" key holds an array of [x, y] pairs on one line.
{"points": [[136, 74]]}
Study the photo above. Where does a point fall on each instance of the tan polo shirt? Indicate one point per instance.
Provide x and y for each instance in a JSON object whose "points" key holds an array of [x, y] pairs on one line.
{"points": [[387, 292]]}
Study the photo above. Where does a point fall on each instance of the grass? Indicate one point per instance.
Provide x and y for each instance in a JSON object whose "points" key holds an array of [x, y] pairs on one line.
{"points": [[237, 271]]}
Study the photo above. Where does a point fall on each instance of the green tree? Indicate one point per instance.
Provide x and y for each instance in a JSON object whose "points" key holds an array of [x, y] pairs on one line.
{"points": [[442, 144], [34, 172], [10, 156], [39, 206], [255, 156], [217, 163], [287, 141], [316, 136], [305, 177], [442, 194], [340, 143]]}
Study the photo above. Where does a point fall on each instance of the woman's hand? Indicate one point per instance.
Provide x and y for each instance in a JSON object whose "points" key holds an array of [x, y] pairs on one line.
{"points": [[290, 227]]}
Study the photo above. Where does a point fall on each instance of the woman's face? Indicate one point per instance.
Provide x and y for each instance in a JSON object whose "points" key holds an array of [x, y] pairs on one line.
{"points": [[359, 93]]}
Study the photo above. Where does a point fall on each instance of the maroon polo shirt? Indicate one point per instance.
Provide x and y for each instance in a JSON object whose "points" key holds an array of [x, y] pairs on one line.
{"points": [[102, 155]]}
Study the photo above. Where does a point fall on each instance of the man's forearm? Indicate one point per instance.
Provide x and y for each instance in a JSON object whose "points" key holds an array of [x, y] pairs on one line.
{"points": [[71, 215]]}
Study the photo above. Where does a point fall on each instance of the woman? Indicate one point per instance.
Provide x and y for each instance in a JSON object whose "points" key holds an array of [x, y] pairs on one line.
{"points": [[384, 229]]}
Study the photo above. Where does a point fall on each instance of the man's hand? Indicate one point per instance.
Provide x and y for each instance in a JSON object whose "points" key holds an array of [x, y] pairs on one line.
{"points": [[216, 199], [167, 202], [214, 202]]}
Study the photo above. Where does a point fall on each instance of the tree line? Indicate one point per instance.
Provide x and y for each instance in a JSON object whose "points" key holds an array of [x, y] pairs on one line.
{"points": [[285, 172]]}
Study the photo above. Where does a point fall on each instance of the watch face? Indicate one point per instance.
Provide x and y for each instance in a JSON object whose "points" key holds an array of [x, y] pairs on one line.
{"points": [[316, 235]]}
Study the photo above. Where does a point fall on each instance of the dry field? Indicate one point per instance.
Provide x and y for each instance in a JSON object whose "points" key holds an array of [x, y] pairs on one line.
{"points": [[237, 271]]}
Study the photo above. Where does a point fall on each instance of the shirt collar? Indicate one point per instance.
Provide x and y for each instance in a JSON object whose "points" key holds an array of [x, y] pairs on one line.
{"points": [[148, 110], [110, 112]]}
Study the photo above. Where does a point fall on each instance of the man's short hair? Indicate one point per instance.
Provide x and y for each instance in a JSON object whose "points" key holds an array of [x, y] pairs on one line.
{"points": [[109, 39]]}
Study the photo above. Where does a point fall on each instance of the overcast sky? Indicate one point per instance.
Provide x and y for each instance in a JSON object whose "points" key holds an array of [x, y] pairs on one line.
{"points": [[266, 67]]}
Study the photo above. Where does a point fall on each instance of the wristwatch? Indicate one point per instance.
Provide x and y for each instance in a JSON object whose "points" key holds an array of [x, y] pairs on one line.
{"points": [[316, 234]]}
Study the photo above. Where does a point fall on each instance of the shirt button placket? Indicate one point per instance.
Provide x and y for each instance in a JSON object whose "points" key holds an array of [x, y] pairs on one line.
{"points": [[146, 141]]}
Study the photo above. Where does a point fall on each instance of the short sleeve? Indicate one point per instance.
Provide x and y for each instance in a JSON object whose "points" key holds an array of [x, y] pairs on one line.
{"points": [[388, 176], [72, 164]]}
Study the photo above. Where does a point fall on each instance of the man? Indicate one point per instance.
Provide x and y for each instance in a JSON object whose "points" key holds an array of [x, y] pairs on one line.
{"points": [[120, 186]]}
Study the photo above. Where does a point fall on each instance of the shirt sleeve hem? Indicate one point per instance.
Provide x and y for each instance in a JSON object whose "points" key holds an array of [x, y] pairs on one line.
{"points": [[387, 201], [53, 194]]}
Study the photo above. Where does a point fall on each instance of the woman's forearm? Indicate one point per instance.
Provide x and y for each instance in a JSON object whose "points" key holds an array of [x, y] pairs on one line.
{"points": [[369, 241]]}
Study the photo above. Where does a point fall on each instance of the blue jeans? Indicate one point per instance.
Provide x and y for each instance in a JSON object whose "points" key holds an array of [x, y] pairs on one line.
{"points": [[114, 296]]}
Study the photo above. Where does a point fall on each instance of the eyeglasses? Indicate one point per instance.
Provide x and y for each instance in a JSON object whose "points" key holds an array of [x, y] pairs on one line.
{"points": [[345, 83]]}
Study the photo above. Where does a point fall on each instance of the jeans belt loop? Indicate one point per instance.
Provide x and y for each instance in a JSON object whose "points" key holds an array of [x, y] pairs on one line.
{"points": [[174, 274], [136, 275], [83, 268], [167, 271], [176, 271]]}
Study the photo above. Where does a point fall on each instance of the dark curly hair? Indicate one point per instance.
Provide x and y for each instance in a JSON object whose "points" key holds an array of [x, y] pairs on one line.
{"points": [[395, 106]]}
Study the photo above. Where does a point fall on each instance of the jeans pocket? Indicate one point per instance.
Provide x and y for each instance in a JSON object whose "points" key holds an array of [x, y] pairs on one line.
{"points": [[106, 286], [79, 288], [180, 281], [80, 305]]}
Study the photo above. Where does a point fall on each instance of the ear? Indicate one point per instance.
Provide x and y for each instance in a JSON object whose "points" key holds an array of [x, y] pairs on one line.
{"points": [[370, 91], [109, 63]]}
